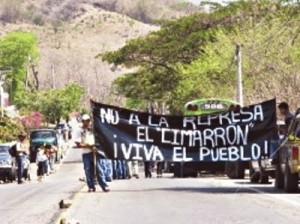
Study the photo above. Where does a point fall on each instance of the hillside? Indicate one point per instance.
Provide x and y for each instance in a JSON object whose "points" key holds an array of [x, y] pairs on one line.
{"points": [[68, 50], [53, 11], [72, 32]]}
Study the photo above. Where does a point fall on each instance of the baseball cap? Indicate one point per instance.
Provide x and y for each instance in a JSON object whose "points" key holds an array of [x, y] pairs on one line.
{"points": [[85, 117]]}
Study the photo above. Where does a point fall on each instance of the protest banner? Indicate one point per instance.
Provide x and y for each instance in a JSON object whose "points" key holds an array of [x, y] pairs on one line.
{"points": [[240, 135]]}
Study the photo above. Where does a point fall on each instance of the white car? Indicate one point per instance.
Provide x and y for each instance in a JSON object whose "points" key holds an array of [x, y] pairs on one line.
{"points": [[8, 167], [8, 164]]}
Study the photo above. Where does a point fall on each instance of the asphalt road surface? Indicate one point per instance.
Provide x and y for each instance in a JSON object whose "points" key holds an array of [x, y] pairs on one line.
{"points": [[37, 202], [202, 200], [166, 200]]}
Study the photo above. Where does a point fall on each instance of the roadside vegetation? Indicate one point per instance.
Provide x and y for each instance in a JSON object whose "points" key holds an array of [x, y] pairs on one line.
{"points": [[19, 59], [194, 56], [19, 56]]}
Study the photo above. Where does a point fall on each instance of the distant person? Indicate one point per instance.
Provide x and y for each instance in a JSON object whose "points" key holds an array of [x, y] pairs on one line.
{"points": [[108, 170], [148, 169], [22, 149], [85, 140], [41, 160], [133, 169], [51, 150], [284, 110], [120, 170], [159, 169]]}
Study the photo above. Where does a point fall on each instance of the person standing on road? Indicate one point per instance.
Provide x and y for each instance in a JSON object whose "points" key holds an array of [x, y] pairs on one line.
{"points": [[284, 110], [133, 169], [148, 169], [52, 155], [120, 170], [21, 153], [108, 170], [159, 169], [85, 140], [41, 160]]}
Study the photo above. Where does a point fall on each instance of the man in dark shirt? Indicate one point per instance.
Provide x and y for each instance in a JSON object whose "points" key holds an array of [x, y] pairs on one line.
{"points": [[284, 110]]}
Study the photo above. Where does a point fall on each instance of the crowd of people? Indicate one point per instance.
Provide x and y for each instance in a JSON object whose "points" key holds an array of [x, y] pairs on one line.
{"points": [[45, 160]]}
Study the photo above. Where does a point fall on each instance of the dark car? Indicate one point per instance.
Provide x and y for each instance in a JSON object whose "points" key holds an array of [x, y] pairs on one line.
{"points": [[41, 138], [8, 168]]}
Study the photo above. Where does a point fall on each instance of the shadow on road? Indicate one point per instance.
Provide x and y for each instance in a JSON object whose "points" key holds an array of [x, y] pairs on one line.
{"points": [[72, 162], [211, 190]]}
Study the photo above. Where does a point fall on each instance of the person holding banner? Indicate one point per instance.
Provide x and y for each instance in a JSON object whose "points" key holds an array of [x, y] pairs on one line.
{"points": [[85, 140], [284, 110], [133, 169]]}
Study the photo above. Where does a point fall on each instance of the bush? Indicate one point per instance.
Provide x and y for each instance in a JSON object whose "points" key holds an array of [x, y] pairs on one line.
{"points": [[32, 120], [9, 129], [38, 20]]}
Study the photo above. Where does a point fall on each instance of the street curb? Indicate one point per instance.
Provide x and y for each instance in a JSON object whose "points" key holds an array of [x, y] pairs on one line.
{"points": [[61, 219]]}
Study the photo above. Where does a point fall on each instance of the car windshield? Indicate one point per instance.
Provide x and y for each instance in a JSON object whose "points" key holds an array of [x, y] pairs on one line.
{"points": [[3, 149], [42, 134], [4, 152]]}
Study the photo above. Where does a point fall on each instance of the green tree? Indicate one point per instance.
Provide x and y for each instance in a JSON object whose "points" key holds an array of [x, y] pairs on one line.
{"points": [[54, 104], [17, 50], [193, 57]]}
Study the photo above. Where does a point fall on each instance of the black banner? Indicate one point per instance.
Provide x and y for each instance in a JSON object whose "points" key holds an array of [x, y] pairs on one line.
{"points": [[240, 135]]}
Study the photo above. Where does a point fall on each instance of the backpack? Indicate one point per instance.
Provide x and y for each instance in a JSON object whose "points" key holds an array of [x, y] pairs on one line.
{"points": [[13, 150]]}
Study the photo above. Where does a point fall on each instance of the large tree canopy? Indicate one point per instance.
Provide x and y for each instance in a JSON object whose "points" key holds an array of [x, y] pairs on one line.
{"points": [[193, 57]]}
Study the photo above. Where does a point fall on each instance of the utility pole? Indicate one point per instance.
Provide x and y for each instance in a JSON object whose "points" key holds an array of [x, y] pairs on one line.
{"points": [[239, 84]]}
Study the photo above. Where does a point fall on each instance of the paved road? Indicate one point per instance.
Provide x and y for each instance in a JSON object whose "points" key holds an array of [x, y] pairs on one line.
{"points": [[37, 202], [166, 200]]}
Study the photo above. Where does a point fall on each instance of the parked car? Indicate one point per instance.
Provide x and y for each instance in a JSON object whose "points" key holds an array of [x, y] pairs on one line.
{"points": [[65, 130], [42, 137], [284, 161], [8, 168], [287, 159]]}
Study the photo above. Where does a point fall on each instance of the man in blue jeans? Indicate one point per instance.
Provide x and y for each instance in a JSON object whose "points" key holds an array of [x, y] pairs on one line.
{"points": [[108, 170], [21, 153], [85, 140]]}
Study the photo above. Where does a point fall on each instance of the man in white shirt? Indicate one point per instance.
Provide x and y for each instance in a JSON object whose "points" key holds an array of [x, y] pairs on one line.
{"points": [[21, 153], [85, 141]]}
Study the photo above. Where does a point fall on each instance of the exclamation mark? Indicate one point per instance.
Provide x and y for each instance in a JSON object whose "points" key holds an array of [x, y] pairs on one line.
{"points": [[115, 148]]}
